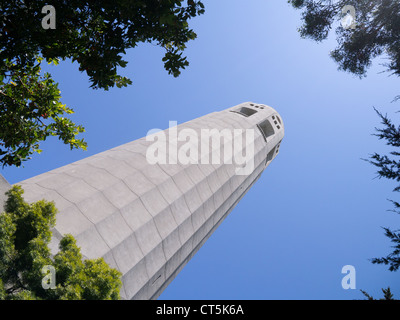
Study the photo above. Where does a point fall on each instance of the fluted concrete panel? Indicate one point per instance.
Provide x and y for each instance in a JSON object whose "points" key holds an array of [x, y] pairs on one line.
{"points": [[148, 219]]}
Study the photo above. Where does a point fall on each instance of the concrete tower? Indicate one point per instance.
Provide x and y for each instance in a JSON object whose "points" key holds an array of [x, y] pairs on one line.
{"points": [[147, 206]]}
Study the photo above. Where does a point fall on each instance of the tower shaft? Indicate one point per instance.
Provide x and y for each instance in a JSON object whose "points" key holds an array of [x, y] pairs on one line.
{"points": [[147, 206]]}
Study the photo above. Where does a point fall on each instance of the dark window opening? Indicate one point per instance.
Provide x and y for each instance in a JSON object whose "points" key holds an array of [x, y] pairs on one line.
{"points": [[271, 154], [247, 112], [266, 129]]}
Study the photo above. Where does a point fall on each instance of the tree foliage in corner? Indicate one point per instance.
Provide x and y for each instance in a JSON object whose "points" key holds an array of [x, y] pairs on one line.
{"points": [[387, 295], [93, 33], [24, 238], [389, 168], [30, 111], [377, 31]]}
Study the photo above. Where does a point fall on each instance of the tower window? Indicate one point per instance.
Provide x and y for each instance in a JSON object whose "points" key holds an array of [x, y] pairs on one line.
{"points": [[247, 112], [271, 154], [266, 129]]}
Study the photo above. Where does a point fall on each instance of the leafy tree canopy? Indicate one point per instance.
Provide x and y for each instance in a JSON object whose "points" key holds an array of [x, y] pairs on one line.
{"points": [[93, 33], [377, 31], [24, 252]]}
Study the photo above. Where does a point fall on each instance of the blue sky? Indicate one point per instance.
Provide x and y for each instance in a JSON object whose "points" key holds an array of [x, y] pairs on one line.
{"points": [[317, 207]]}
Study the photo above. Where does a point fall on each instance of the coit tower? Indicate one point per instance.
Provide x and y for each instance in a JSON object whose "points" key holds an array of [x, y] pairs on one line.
{"points": [[147, 206]]}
